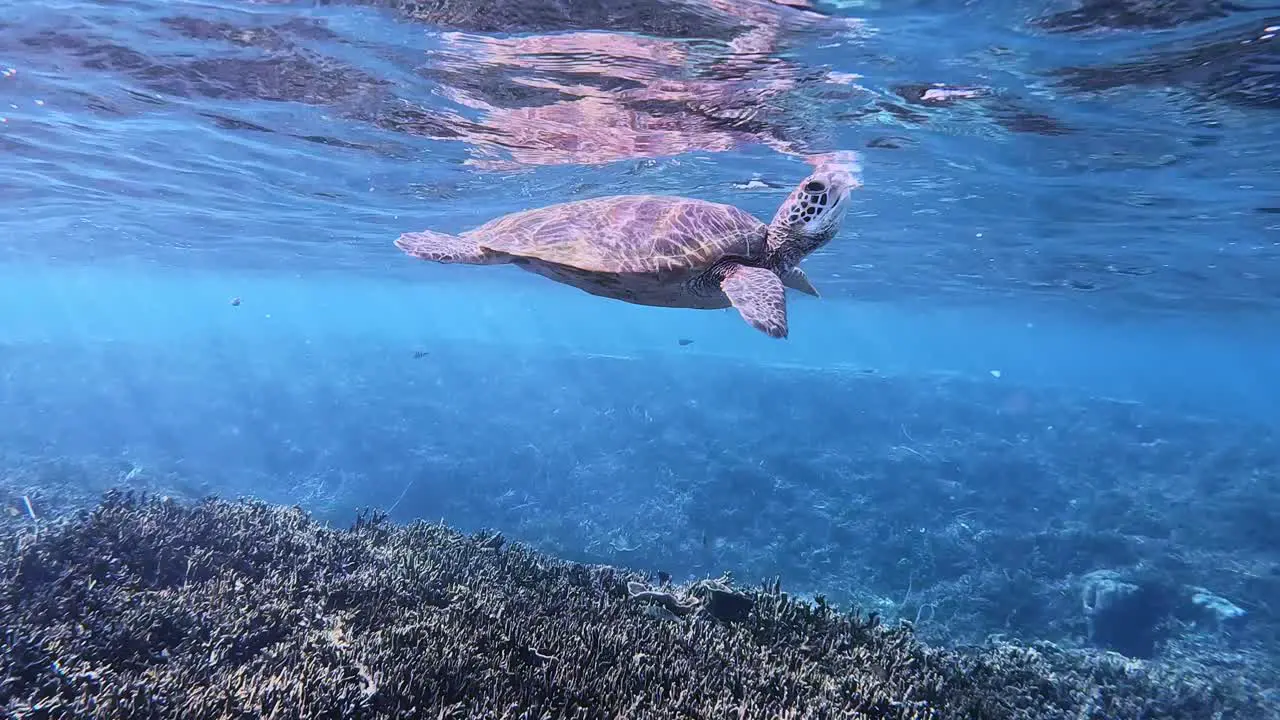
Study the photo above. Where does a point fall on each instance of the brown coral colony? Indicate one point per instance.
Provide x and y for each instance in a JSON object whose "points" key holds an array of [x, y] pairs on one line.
{"points": [[146, 608]]}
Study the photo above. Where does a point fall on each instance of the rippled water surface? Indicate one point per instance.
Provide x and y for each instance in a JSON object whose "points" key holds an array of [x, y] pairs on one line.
{"points": [[1120, 156]]}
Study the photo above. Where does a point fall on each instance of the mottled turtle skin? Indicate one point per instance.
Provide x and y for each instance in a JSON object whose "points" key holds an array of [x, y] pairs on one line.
{"points": [[665, 251], [644, 249]]}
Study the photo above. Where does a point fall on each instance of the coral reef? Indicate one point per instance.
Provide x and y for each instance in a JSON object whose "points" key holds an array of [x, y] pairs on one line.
{"points": [[144, 607], [971, 507]]}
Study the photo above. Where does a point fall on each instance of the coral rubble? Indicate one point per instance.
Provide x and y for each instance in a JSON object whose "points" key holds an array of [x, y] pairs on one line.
{"points": [[144, 607]]}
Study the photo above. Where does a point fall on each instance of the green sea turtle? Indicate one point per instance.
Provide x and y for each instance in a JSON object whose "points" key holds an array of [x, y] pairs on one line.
{"points": [[665, 251]]}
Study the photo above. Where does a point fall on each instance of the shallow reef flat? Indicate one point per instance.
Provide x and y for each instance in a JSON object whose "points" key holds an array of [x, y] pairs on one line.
{"points": [[146, 607]]}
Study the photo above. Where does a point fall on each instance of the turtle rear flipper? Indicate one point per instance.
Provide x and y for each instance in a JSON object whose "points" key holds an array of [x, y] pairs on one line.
{"points": [[759, 296], [797, 280], [445, 248]]}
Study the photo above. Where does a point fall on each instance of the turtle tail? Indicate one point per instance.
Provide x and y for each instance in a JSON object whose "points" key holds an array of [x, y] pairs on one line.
{"points": [[445, 248]]}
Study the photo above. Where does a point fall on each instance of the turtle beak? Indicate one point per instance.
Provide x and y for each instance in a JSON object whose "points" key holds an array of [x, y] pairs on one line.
{"points": [[842, 172], [841, 160]]}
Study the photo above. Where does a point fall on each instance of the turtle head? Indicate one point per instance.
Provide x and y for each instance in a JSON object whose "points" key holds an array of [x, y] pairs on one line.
{"points": [[812, 213]]}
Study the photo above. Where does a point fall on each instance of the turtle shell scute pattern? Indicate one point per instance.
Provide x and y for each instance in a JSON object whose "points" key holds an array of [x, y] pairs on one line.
{"points": [[627, 234]]}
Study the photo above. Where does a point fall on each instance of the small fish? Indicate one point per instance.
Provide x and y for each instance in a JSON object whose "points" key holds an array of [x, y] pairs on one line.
{"points": [[419, 354], [685, 341]]}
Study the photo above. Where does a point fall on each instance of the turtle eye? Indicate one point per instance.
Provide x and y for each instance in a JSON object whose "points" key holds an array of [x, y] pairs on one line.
{"points": [[814, 186]]}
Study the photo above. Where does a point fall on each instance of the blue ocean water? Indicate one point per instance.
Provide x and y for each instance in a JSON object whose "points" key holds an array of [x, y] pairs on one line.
{"points": [[1046, 344]]}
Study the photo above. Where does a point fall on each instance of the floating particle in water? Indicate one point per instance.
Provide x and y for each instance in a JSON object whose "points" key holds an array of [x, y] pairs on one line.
{"points": [[685, 341], [235, 302], [996, 373], [419, 354]]}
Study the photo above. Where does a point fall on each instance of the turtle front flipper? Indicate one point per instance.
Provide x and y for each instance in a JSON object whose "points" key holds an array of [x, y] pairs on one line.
{"points": [[759, 296], [445, 248], [797, 280]]}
